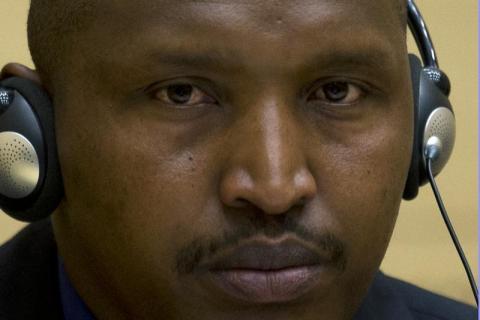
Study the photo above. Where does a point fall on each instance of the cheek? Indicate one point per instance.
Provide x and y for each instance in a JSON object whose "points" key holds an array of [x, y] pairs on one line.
{"points": [[360, 184], [135, 199]]}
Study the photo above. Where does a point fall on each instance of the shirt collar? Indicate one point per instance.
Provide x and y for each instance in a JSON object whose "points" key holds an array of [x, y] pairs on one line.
{"points": [[383, 302], [73, 306]]}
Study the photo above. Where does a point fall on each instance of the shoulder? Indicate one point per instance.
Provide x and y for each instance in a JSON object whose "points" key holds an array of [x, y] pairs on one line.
{"points": [[28, 274], [423, 304]]}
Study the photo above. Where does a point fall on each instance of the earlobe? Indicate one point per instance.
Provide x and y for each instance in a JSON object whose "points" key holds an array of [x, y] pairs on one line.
{"points": [[20, 71]]}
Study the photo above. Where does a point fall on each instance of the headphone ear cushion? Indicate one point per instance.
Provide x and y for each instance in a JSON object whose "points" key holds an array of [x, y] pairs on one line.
{"points": [[49, 192], [413, 179]]}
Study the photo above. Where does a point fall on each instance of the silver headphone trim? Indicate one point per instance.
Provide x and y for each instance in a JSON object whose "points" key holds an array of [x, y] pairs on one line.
{"points": [[439, 137], [19, 166]]}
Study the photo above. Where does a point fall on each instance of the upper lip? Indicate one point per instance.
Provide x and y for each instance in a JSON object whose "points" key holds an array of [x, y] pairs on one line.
{"points": [[265, 256]]}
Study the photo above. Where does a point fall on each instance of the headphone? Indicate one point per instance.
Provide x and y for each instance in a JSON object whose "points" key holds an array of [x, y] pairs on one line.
{"points": [[31, 186]]}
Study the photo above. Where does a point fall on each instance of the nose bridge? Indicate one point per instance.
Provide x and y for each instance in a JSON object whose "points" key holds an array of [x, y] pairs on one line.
{"points": [[273, 144], [269, 167]]}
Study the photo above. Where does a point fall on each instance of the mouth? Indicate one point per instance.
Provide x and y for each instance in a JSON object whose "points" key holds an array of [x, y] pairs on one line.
{"points": [[268, 272]]}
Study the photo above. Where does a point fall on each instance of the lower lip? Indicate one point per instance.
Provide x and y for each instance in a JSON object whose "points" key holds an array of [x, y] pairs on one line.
{"points": [[260, 286]]}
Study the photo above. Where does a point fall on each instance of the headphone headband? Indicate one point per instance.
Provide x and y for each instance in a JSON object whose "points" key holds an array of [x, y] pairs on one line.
{"points": [[419, 30]]}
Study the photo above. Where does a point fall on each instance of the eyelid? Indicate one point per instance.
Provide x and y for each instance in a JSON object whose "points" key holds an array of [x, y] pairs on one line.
{"points": [[361, 85], [197, 94], [364, 85], [154, 88]]}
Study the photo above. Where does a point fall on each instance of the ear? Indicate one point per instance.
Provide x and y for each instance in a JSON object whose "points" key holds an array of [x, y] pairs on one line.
{"points": [[20, 71]]}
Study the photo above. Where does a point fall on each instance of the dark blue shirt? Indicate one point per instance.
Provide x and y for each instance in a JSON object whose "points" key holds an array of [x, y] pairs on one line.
{"points": [[73, 306]]}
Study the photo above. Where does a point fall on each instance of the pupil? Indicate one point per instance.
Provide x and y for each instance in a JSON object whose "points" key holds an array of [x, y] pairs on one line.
{"points": [[336, 91], [180, 93]]}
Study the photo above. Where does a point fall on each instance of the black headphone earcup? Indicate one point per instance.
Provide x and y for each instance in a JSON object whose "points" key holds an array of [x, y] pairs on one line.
{"points": [[49, 190], [412, 184], [434, 123]]}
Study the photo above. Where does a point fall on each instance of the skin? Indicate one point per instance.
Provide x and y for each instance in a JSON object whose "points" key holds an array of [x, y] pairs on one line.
{"points": [[146, 180]]}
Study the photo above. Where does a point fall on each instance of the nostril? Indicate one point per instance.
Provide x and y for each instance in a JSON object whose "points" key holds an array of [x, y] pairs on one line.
{"points": [[240, 203], [301, 202]]}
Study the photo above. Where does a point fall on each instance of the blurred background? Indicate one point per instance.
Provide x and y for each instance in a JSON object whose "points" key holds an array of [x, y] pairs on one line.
{"points": [[421, 250]]}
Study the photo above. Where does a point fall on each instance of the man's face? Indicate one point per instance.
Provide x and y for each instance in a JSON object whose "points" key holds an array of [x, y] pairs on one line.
{"points": [[232, 159]]}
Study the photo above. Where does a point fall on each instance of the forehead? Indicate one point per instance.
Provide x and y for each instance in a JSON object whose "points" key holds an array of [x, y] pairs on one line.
{"points": [[265, 34], [264, 14]]}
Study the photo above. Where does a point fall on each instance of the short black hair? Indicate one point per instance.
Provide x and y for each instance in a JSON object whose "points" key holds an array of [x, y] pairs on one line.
{"points": [[52, 25]]}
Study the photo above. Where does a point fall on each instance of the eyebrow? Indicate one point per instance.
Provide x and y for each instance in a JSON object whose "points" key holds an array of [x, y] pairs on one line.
{"points": [[371, 57], [211, 59]]}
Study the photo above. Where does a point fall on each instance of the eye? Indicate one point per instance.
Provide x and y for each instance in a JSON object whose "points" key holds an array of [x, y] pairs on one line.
{"points": [[183, 95], [338, 92]]}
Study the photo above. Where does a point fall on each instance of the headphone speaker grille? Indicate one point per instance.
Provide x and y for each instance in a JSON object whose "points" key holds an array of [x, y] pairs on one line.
{"points": [[19, 166], [441, 124]]}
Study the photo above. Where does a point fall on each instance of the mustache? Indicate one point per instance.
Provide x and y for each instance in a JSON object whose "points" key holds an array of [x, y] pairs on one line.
{"points": [[192, 256]]}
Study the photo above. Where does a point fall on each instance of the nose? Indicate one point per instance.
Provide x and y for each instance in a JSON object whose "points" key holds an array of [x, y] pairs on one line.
{"points": [[267, 166]]}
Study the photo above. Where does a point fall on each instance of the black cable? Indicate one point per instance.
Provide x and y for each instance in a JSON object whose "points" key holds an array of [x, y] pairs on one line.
{"points": [[470, 276]]}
